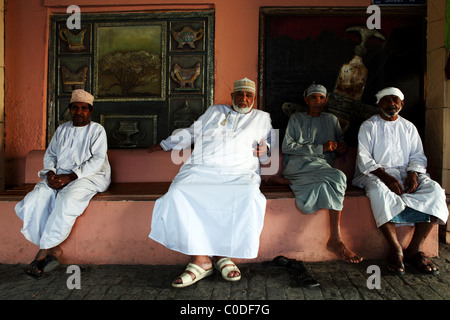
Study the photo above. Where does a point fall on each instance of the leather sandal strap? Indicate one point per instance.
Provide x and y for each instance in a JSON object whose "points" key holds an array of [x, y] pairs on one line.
{"points": [[195, 269], [225, 266]]}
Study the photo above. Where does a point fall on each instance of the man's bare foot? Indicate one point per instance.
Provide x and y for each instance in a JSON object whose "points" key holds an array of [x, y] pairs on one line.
{"points": [[421, 262], [395, 262], [341, 250]]}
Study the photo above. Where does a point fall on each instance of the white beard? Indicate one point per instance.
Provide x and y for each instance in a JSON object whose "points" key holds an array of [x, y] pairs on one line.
{"points": [[389, 115], [242, 110]]}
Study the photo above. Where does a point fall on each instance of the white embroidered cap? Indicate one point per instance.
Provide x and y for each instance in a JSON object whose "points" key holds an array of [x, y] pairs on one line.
{"points": [[315, 88], [244, 85], [389, 91], [80, 95]]}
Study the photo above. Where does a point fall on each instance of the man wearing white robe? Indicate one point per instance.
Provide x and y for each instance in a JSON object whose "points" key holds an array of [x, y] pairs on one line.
{"points": [[391, 166], [76, 167], [214, 207]]}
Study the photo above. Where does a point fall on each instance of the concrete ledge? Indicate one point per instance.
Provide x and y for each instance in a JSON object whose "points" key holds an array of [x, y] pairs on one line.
{"points": [[135, 165], [138, 165], [114, 228], [116, 232]]}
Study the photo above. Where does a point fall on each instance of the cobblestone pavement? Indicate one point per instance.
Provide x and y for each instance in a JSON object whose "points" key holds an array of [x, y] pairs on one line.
{"points": [[338, 281]]}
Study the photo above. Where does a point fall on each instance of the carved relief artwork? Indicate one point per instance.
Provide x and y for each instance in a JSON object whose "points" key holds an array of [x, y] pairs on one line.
{"points": [[185, 77], [352, 79], [75, 42], [150, 72], [128, 134], [353, 75], [345, 100], [184, 117], [129, 131], [184, 112], [187, 36], [74, 80]]}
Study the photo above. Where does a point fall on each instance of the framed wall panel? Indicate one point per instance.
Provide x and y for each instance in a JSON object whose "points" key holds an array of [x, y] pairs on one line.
{"points": [[141, 68]]}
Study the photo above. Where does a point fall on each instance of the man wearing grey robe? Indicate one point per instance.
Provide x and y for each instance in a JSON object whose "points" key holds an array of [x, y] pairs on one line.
{"points": [[311, 141]]}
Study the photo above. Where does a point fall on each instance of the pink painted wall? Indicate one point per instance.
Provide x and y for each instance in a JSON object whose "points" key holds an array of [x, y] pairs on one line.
{"points": [[102, 235], [26, 42], [25, 76]]}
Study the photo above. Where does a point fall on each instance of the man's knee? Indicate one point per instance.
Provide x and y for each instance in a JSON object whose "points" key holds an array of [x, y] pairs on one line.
{"points": [[43, 191], [78, 190], [342, 176]]}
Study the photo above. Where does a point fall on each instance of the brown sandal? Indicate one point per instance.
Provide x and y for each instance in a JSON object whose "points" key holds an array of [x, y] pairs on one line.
{"points": [[35, 268], [421, 262]]}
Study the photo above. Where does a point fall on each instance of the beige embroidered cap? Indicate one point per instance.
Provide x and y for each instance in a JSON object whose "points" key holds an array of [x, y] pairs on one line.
{"points": [[80, 95], [244, 85]]}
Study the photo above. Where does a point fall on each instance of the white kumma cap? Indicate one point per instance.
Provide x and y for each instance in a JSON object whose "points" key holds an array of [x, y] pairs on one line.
{"points": [[80, 95], [244, 85], [315, 88]]}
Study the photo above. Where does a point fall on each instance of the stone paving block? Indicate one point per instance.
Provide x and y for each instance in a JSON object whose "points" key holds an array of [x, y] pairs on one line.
{"points": [[338, 281]]}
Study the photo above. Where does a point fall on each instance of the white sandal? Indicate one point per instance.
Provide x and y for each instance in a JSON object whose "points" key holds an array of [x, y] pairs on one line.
{"points": [[225, 266], [186, 278]]}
